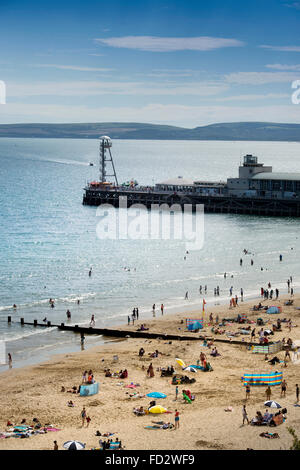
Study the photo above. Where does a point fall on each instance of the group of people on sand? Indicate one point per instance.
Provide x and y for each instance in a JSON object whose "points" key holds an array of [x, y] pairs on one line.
{"points": [[88, 377], [123, 374], [84, 418]]}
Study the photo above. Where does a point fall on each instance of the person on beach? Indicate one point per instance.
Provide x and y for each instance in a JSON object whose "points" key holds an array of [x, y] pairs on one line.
{"points": [[277, 293], [176, 392], [128, 320], [83, 416], [248, 390], [84, 377], [245, 415], [88, 420], [202, 358], [297, 393], [283, 388], [242, 295], [150, 371], [205, 289], [9, 360], [55, 447], [153, 310], [162, 309], [92, 322], [82, 338], [253, 334], [268, 393], [176, 419], [186, 295], [137, 313], [68, 313]]}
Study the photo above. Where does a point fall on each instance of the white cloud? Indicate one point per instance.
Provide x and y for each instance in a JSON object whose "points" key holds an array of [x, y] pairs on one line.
{"points": [[283, 67], [95, 88], [167, 44], [295, 5], [282, 48], [267, 96], [260, 78], [74, 67]]}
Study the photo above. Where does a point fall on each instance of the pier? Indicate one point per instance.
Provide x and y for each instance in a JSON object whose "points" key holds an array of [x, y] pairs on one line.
{"points": [[218, 204], [257, 190]]}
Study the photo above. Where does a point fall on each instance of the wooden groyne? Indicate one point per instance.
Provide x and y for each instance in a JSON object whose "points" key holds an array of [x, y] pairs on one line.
{"points": [[120, 333]]}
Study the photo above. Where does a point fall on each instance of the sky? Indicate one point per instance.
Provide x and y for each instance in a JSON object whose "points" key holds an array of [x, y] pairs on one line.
{"points": [[186, 63]]}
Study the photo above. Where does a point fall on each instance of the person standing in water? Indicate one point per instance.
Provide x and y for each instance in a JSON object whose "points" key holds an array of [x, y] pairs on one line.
{"points": [[92, 322], [153, 310], [186, 295], [162, 309], [90, 272]]}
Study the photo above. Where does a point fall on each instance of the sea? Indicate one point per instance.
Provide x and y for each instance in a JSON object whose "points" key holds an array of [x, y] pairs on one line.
{"points": [[49, 240]]}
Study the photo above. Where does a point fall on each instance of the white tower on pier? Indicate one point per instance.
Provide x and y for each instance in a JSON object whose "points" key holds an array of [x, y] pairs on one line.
{"points": [[106, 156]]}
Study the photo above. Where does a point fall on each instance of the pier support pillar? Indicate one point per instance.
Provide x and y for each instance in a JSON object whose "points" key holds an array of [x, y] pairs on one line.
{"points": [[8, 319], [48, 323], [34, 322], [22, 321]]}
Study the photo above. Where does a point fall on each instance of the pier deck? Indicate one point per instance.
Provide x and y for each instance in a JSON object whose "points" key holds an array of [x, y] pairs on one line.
{"points": [[219, 204]]}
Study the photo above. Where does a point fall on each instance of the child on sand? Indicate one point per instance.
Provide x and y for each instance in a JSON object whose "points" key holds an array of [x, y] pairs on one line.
{"points": [[176, 419], [83, 415]]}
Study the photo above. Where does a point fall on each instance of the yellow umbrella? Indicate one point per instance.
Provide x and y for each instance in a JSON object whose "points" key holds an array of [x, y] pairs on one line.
{"points": [[181, 363], [157, 409]]}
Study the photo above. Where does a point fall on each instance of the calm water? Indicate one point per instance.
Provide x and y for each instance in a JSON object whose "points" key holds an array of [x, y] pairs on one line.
{"points": [[48, 238]]}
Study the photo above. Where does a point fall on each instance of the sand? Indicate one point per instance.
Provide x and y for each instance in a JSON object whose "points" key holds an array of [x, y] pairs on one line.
{"points": [[35, 391]]}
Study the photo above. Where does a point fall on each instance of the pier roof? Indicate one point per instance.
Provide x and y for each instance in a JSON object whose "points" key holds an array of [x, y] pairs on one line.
{"points": [[177, 182], [277, 176]]}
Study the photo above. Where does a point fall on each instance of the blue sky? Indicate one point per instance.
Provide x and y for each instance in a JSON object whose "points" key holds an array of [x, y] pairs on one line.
{"points": [[185, 63]]}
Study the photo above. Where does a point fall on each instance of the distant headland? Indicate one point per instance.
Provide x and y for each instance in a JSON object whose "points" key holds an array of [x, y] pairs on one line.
{"points": [[255, 131]]}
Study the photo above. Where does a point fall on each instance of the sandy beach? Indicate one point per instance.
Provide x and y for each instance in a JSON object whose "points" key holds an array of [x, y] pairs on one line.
{"points": [[35, 391]]}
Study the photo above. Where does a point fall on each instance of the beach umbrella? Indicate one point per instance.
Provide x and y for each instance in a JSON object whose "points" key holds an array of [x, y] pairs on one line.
{"points": [[190, 369], [156, 395], [272, 404], [157, 409], [73, 445], [180, 362]]}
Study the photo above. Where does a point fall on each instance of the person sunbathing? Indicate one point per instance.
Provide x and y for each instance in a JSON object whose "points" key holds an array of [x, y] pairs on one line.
{"points": [[107, 373], [258, 419], [124, 374], [139, 411], [141, 352], [215, 353]]}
